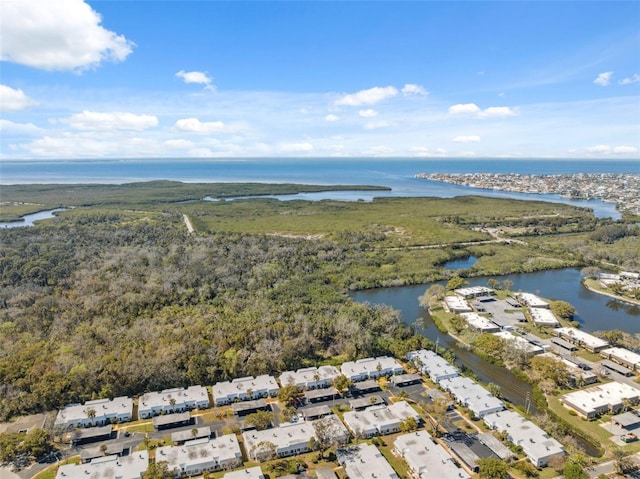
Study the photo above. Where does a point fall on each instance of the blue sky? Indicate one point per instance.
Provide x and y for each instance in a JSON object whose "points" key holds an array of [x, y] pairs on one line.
{"points": [[243, 79]]}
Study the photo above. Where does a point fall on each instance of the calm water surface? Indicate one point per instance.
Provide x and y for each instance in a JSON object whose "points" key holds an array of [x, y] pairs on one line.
{"points": [[30, 219]]}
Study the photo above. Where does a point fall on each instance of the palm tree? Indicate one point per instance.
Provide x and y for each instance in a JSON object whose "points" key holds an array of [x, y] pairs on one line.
{"points": [[91, 414]]}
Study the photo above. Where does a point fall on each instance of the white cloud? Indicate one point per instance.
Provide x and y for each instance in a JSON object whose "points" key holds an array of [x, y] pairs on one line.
{"points": [[332, 118], [497, 112], [295, 147], [601, 149], [93, 120], [368, 113], [625, 149], [379, 150], [603, 79], [464, 108], [57, 36], [178, 143], [8, 127], [608, 149], [414, 90], [14, 100], [367, 97], [200, 78], [635, 78], [374, 125], [194, 125], [466, 139], [491, 112]]}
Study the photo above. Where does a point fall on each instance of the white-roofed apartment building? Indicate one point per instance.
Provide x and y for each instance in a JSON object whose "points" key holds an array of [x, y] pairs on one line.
{"points": [[172, 400]]}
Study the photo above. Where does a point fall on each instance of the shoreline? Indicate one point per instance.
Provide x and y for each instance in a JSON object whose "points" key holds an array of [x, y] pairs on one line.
{"points": [[611, 295]]}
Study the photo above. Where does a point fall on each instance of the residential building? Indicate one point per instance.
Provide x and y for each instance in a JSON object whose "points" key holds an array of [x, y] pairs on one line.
{"points": [[479, 323], [456, 304], [470, 394], [289, 439], [622, 356], [132, 466], [94, 413], [202, 455], [310, 378], [435, 366], [474, 292], [243, 389], [536, 444], [379, 420], [543, 318], [532, 301], [585, 340], [172, 400], [425, 458], [364, 461], [600, 399], [371, 368]]}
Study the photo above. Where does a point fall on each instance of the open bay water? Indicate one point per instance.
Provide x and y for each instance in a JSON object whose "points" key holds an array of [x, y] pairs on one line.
{"points": [[396, 173]]}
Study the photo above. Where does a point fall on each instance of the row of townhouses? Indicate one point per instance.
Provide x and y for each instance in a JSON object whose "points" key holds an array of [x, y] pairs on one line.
{"points": [[176, 400]]}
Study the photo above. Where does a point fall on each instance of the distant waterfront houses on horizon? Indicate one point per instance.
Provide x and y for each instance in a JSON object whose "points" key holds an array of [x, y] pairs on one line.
{"points": [[623, 189]]}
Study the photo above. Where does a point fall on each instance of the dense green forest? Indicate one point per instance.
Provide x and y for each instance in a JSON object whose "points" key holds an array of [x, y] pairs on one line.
{"points": [[119, 299], [104, 305]]}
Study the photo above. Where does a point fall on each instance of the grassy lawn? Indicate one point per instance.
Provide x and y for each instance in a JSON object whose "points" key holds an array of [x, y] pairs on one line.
{"points": [[51, 471], [145, 425], [592, 429], [595, 285], [217, 414], [398, 464]]}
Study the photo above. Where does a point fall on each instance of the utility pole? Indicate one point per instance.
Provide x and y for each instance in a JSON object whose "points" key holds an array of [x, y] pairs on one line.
{"points": [[528, 402]]}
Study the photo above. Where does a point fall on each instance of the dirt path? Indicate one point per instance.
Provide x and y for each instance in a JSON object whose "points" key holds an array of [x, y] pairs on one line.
{"points": [[188, 223]]}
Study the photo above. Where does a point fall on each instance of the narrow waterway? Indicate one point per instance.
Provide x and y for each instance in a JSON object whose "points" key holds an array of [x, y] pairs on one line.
{"points": [[405, 299], [28, 220]]}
